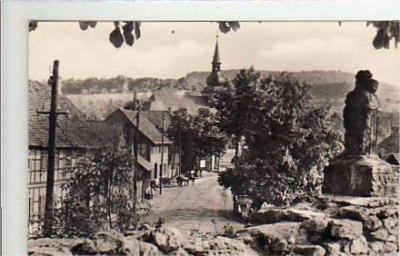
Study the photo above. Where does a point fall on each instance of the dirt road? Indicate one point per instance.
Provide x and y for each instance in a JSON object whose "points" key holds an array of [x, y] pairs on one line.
{"points": [[193, 207]]}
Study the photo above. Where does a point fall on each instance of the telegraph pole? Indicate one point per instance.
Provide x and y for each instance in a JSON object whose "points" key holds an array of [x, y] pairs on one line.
{"points": [[136, 146], [48, 216], [180, 148], [162, 151]]}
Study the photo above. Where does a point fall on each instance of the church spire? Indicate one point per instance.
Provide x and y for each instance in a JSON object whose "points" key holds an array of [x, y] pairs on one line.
{"points": [[215, 79], [216, 63]]}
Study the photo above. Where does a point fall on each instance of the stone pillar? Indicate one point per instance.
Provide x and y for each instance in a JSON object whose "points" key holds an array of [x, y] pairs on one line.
{"points": [[360, 176]]}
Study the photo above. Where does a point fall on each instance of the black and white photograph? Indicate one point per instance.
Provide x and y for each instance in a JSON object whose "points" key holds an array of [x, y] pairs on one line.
{"points": [[213, 137]]}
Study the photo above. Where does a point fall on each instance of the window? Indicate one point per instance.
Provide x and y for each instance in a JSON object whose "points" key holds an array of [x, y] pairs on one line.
{"points": [[30, 208], [43, 162], [42, 206], [41, 176], [64, 162], [37, 202], [37, 166], [68, 162], [68, 153]]}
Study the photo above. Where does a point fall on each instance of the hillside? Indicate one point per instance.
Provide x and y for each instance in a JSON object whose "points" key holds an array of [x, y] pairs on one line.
{"points": [[328, 87], [326, 84]]}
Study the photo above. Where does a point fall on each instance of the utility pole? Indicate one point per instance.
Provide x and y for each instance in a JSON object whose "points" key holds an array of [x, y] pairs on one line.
{"points": [[162, 151], [180, 148], [136, 145], [48, 216]]}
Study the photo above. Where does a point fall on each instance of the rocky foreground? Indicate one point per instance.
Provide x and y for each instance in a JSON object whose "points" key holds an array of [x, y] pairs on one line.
{"points": [[332, 226]]}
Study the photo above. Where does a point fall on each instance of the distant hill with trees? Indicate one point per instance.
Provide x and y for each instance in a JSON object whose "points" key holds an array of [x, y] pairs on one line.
{"points": [[328, 87], [325, 84]]}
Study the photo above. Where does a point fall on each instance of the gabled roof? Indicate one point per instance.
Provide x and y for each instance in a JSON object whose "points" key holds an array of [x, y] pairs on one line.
{"points": [[155, 116], [146, 127], [113, 132], [167, 99], [71, 132]]}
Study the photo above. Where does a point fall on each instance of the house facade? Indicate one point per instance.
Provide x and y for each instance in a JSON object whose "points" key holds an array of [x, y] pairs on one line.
{"points": [[122, 138], [152, 148], [74, 138]]}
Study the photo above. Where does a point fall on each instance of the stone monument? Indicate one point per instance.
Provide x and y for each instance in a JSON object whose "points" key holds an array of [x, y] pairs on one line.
{"points": [[359, 171]]}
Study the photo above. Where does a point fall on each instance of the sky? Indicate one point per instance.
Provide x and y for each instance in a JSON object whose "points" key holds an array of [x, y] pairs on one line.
{"points": [[173, 49]]}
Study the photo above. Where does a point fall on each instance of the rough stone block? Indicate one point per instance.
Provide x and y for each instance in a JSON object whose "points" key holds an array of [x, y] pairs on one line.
{"points": [[368, 202], [309, 250], [182, 252], [301, 215], [49, 251], [316, 225], [269, 216], [370, 222], [217, 246], [359, 246], [381, 234], [359, 176], [391, 247], [332, 248], [345, 229], [275, 238], [316, 238], [376, 247], [392, 225], [387, 211], [167, 239]]}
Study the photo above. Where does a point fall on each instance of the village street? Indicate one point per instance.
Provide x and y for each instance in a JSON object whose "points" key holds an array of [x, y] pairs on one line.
{"points": [[195, 206]]}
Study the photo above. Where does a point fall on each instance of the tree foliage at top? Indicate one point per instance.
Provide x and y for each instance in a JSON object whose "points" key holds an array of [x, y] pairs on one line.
{"points": [[130, 31], [288, 140], [385, 32], [199, 136]]}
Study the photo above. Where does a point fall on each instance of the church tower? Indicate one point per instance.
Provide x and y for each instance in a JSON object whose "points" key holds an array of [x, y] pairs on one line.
{"points": [[215, 79]]}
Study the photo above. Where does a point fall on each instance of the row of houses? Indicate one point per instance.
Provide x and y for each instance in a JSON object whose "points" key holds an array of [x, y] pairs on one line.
{"points": [[77, 137]]}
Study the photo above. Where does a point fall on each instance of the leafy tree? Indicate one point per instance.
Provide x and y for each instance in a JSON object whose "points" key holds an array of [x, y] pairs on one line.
{"points": [[182, 134], [101, 193], [199, 136], [288, 140], [210, 140]]}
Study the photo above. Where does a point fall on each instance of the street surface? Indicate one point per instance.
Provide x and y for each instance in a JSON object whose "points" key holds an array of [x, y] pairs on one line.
{"points": [[194, 207]]}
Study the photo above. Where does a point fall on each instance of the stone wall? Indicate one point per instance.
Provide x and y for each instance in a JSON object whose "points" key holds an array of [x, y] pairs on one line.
{"points": [[332, 226], [335, 225]]}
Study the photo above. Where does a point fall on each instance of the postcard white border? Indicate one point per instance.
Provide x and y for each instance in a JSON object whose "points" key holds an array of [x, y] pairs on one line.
{"points": [[14, 104]]}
